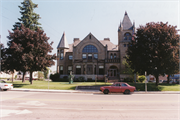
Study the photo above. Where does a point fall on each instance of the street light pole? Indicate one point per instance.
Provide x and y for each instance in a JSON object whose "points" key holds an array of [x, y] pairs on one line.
{"points": [[145, 82]]}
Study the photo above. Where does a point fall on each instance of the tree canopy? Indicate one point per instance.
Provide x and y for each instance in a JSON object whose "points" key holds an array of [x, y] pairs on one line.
{"points": [[154, 49], [29, 18], [29, 50]]}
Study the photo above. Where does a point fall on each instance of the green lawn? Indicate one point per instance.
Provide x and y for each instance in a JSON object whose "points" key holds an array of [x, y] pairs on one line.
{"points": [[67, 86], [54, 85], [152, 87]]}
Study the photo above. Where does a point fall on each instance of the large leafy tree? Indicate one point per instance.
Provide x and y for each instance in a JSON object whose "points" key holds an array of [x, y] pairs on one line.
{"points": [[154, 49], [30, 49], [29, 18]]}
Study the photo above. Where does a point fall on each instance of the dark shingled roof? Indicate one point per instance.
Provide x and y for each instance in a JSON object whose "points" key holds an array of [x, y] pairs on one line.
{"points": [[127, 25]]}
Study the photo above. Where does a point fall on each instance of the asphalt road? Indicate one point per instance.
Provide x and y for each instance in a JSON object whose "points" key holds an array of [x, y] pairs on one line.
{"points": [[78, 106]]}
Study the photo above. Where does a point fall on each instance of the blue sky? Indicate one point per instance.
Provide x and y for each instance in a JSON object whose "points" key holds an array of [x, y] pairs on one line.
{"points": [[77, 18]]}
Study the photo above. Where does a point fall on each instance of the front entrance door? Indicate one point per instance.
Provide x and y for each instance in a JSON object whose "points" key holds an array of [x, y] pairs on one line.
{"points": [[112, 72]]}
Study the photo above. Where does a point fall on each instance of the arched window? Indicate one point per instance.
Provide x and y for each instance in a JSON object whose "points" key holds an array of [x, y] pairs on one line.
{"points": [[90, 49], [127, 36], [114, 55], [111, 56]]}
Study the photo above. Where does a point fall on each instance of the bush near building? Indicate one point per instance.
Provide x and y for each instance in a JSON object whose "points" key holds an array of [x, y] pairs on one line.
{"points": [[141, 78]]}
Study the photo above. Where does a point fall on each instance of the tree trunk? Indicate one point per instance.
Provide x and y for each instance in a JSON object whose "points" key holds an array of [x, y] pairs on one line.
{"points": [[23, 78], [157, 80], [30, 77], [168, 79]]}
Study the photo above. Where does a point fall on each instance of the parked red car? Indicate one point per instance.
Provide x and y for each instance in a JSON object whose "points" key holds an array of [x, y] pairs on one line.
{"points": [[118, 87]]}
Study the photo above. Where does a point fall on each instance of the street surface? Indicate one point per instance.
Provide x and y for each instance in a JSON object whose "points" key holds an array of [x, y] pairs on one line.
{"points": [[78, 106]]}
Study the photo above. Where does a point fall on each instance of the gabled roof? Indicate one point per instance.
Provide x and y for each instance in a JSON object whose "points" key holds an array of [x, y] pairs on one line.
{"points": [[63, 42], [127, 25]]}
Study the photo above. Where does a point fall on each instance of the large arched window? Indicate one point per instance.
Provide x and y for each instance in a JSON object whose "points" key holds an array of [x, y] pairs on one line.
{"points": [[127, 36], [90, 49]]}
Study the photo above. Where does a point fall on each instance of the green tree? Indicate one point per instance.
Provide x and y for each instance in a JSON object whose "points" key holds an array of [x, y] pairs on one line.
{"points": [[29, 18], [46, 72], [40, 75], [128, 69], [153, 48], [30, 49], [141, 78]]}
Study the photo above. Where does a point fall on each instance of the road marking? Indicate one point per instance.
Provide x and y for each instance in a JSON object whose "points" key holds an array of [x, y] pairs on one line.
{"points": [[35, 103], [6, 112]]}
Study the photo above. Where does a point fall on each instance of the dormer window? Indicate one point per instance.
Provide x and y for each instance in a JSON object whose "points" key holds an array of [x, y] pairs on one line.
{"points": [[89, 36]]}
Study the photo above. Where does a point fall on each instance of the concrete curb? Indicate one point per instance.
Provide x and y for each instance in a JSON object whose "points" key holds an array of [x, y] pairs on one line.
{"points": [[91, 91]]}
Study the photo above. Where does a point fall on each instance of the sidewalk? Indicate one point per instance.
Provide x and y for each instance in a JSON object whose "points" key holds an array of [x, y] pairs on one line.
{"points": [[91, 91]]}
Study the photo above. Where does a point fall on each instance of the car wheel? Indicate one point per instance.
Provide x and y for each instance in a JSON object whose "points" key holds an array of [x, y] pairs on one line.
{"points": [[127, 92], [106, 91], [5, 89]]}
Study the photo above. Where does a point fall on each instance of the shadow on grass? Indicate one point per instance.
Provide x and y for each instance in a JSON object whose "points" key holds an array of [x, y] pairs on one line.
{"points": [[72, 88], [19, 85]]}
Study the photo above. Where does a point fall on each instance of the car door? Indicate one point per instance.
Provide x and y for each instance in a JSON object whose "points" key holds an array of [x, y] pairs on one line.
{"points": [[117, 88], [124, 87]]}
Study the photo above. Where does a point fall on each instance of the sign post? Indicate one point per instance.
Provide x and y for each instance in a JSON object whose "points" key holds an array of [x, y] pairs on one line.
{"points": [[146, 81]]}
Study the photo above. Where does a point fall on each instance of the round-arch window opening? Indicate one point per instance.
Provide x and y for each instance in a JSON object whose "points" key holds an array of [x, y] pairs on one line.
{"points": [[90, 49], [127, 36]]}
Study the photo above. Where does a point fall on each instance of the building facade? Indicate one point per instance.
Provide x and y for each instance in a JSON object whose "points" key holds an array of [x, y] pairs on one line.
{"points": [[94, 58]]}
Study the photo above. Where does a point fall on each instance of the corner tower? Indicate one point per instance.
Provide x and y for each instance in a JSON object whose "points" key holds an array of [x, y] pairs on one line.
{"points": [[62, 47], [125, 32]]}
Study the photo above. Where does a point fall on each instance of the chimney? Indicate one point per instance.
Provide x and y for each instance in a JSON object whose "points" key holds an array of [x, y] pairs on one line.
{"points": [[107, 39], [76, 39]]}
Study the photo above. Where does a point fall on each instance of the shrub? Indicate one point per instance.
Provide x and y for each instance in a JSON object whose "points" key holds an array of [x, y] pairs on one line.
{"points": [[55, 77], [128, 80], [79, 79], [141, 78]]}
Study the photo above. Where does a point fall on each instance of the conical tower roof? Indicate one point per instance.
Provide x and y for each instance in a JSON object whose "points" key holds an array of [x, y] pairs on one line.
{"points": [[127, 25], [63, 42]]}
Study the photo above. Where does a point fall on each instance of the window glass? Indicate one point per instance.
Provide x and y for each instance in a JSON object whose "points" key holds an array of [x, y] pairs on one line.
{"points": [[61, 68], [69, 67], [70, 57], [62, 55], [78, 69], [111, 56], [89, 56], [123, 84], [84, 56], [95, 56], [78, 66], [127, 36], [90, 49], [115, 56], [101, 66], [124, 45], [101, 70]]}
